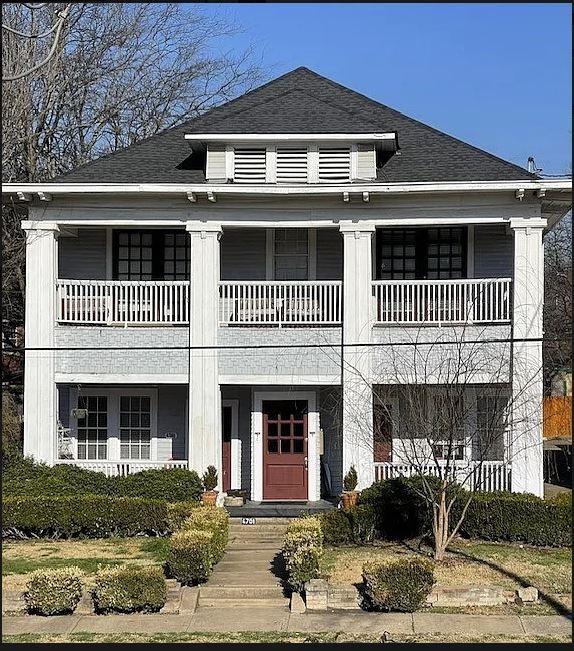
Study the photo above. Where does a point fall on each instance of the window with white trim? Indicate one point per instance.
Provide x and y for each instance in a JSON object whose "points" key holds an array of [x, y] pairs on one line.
{"points": [[135, 427], [491, 413], [92, 429], [291, 254], [449, 427]]}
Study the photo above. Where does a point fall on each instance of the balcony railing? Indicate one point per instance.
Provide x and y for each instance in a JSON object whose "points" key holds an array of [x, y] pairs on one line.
{"points": [[112, 302], [124, 467], [481, 476], [442, 301], [280, 303]]}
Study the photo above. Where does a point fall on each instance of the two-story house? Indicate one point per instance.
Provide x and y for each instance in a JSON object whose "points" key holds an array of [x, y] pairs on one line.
{"points": [[234, 291]]}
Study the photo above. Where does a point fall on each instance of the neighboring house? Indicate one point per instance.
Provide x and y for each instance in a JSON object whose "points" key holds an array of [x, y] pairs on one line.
{"points": [[169, 284]]}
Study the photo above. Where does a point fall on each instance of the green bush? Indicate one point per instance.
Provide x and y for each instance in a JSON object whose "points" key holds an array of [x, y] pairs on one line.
{"points": [[54, 592], [214, 520], [209, 478], [362, 519], [129, 589], [11, 432], [336, 527], [178, 512], [169, 484], [88, 516], [561, 499], [350, 480], [517, 517], [35, 479], [401, 585], [191, 556], [302, 551]]}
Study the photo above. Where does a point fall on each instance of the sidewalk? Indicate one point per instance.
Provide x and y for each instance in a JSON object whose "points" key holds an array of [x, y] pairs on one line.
{"points": [[266, 619]]}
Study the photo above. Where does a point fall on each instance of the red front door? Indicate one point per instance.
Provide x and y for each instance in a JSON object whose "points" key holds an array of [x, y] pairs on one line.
{"points": [[227, 415], [285, 449]]}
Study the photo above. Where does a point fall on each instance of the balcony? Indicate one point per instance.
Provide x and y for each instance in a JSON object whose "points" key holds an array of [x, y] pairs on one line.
{"points": [[435, 302]]}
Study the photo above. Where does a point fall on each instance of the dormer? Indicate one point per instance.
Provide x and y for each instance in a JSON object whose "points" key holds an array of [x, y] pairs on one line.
{"points": [[293, 159]]}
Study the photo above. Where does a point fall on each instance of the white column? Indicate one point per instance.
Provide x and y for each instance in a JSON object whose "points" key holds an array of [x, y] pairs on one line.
{"points": [[204, 391], [40, 401], [527, 389], [357, 328]]}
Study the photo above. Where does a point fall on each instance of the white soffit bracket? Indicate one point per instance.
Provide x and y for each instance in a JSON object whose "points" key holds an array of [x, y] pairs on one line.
{"points": [[24, 196], [211, 197], [345, 196], [45, 196], [366, 197], [191, 197], [519, 194]]}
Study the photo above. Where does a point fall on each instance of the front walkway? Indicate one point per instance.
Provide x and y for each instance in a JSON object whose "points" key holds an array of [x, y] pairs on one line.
{"points": [[267, 619]]}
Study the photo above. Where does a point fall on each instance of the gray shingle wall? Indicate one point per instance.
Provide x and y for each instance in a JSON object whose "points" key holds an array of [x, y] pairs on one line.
{"points": [[129, 361], [493, 252], [279, 361], [243, 254], [83, 257]]}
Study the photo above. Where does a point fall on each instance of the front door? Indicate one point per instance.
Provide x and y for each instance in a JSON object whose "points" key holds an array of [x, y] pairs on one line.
{"points": [[226, 426], [285, 449]]}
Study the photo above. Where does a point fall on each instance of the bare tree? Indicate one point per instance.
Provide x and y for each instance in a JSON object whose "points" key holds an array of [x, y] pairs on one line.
{"points": [[445, 406], [120, 73]]}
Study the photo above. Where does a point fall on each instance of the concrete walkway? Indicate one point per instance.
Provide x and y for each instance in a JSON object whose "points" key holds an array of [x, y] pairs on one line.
{"points": [[265, 619]]}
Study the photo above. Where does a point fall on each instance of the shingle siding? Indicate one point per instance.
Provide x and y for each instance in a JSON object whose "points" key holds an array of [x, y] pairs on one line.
{"points": [[83, 257], [243, 254], [493, 252]]}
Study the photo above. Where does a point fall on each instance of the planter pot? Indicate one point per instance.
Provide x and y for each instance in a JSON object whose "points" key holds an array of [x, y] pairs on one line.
{"points": [[209, 497], [349, 499], [231, 500]]}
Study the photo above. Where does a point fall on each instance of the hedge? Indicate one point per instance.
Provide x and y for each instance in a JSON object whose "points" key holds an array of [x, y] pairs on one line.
{"points": [[353, 525], [302, 551], [34, 479], [191, 556], [54, 592], [129, 589], [87, 516], [215, 521], [401, 585]]}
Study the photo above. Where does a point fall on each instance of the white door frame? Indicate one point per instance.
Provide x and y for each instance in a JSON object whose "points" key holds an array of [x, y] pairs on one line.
{"points": [[235, 443], [313, 459]]}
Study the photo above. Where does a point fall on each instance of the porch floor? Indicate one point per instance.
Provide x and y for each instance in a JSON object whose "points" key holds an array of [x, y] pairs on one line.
{"points": [[279, 509]]}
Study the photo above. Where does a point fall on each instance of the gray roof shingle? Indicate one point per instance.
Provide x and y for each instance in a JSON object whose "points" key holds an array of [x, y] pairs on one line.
{"points": [[301, 101]]}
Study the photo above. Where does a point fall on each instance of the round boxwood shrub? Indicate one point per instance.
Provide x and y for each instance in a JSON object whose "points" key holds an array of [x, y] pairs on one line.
{"points": [[336, 527], [362, 518], [129, 589], [401, 585], [54, 592]]}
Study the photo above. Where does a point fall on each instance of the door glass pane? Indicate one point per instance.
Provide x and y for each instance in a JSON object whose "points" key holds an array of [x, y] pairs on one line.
{"points": [[285, 445], [272, 445], [92, 430], [298, 446], [135, 419]]}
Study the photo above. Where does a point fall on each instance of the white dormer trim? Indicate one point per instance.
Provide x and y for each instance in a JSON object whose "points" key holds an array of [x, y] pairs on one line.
{"points": [[290, 137]]}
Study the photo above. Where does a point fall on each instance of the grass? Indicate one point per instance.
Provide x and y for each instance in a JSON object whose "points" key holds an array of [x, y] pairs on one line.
{"points": [[271, 637], [21, 557], [468, 563]]}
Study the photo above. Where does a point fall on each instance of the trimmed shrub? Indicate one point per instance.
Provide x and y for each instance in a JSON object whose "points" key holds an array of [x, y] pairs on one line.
{"points": [[11, 432], [129, 589], [178, 512], [401, 585], [350, 480], [54, 592], [336, 527], [90, 516], [169, 484], [517, 517], [561, 499], [302, 551], [214, 520], [191, 556], [362, 518]]}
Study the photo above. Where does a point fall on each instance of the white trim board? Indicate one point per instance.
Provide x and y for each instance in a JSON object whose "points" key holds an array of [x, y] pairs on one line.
{"points": [[235, 442], [111, 378], [313, 429]]}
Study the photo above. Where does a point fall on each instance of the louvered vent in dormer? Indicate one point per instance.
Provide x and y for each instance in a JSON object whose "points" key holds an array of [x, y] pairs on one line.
{"points": [[334, 163], [291, 165], [249, 165]]}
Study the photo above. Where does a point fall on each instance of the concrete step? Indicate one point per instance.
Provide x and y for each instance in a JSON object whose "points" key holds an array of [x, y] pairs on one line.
{"points": [[276, 604], [239, 592], [254, 545], [250, 554], [261, 521], [245, 566], [256, 533], [245, 579]]}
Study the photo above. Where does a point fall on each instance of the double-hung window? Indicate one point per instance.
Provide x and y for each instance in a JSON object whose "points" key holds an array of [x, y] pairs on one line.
{"points": [[291, 253], [92, 428], [448, 427], [135, 427]]}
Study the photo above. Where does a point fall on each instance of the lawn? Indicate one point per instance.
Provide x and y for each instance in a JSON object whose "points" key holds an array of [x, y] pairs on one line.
{"points": [[21, 557], [468, 563]]}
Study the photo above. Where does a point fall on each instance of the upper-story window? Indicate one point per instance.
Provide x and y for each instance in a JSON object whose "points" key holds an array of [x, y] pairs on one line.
{"points": [[151, 255]]}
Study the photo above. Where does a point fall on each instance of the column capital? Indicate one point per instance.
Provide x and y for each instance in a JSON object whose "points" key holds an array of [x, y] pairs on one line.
{"points": [[28, 225], [196, 226], [524, 222], [356, 227]]}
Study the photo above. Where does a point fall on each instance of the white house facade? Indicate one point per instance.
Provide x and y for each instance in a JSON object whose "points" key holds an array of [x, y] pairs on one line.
{"points": [[236, 291]]}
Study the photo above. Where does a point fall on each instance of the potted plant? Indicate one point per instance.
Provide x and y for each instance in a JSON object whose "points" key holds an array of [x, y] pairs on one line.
{"points": [[234, 498], [209, 481], [350, 495]]}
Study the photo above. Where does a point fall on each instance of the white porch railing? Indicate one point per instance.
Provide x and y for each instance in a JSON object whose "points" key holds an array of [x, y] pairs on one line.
{"points": [[486, 476], [485, 300], [122, 302], [122, 468], [280, 302]]}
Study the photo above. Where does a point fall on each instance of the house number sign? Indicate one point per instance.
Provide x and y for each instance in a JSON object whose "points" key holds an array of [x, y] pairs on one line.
{"points": [[248, 520]]}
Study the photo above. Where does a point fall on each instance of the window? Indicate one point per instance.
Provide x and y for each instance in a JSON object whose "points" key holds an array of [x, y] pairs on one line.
{"points": [[382, 431], [441, 451], [334, 163], [448, 427], [92, 430], [291, 254], [433, 253], [135, 427], [151, 255], [491, 425]]}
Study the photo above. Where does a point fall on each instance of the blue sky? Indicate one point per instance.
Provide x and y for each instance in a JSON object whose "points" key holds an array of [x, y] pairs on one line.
{"points": [[497, 76]]}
